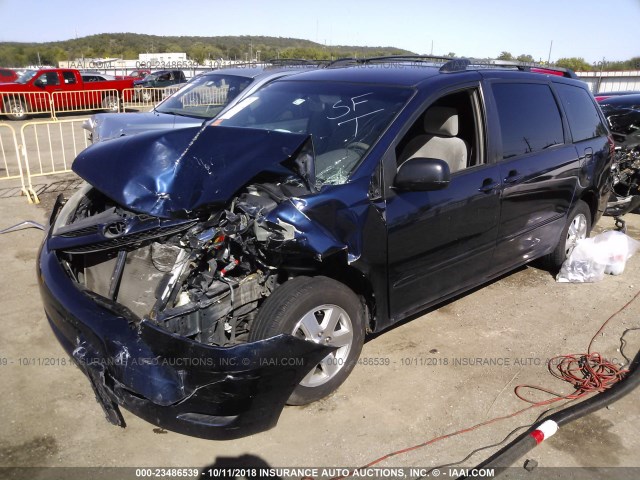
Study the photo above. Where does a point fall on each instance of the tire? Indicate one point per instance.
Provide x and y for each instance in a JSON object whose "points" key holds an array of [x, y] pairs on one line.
{"points": [[111, 103], [15, 109], [149, 95], [303, 306], [578, 226]]}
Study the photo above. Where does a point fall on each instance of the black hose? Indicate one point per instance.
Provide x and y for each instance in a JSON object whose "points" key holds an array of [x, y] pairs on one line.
{"points": [[524, 443]]}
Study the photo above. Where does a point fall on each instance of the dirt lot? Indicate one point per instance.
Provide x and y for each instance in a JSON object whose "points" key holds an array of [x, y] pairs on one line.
{"points": [[452, 368]]}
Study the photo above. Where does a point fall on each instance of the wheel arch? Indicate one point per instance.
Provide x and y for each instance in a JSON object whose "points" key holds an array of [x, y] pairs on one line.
{"points": [[591, 199], [337, 268]]}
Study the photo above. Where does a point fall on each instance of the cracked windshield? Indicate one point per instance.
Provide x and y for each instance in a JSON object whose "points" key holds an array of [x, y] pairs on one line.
{"points": [[344, 120]]}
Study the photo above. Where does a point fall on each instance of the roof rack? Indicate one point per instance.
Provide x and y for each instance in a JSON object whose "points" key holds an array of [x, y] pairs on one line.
{"points": [[297, 61], [341, 62], [464, 64], [451, 65]]}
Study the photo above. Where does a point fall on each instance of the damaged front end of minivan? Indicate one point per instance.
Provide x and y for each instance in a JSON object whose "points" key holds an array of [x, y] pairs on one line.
{"points": [[153, 273]]}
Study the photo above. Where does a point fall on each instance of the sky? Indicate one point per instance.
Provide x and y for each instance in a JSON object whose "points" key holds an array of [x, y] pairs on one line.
{"points": [[482, 28]]}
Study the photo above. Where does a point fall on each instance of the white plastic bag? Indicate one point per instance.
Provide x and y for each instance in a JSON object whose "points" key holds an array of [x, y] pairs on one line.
{"points": [[592, 258]]}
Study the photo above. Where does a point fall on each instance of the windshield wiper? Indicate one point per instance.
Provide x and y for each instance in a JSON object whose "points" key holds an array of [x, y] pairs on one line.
{"points": [[183, 114]]}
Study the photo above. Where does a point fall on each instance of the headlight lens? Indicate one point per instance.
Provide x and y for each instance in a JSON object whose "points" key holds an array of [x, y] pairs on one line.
{"points": [[69, 209]]}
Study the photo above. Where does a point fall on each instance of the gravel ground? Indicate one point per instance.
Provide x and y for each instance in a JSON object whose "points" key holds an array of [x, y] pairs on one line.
{"points": [[449, 369]]}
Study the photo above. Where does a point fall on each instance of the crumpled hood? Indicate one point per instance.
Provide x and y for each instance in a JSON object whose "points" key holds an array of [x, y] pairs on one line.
{"points": [[114, 125], [171, 173]]}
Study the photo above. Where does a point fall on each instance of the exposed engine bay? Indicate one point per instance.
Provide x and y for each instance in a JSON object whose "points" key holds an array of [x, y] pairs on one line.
{"points": [[201, 278], [624, 122], [625, 177]]}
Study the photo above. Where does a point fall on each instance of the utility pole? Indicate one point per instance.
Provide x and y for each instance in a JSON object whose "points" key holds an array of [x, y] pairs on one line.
{"points": [[549, 57], [431, 47]]}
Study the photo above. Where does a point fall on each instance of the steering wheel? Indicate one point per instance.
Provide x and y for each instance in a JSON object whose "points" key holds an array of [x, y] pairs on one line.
{"points": [[359, 147]]}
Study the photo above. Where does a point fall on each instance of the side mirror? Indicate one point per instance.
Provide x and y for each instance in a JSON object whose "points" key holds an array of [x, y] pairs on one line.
{"points": [[422, 174], [39, 83]]}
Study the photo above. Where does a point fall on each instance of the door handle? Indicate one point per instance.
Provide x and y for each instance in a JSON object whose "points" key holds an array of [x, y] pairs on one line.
{"points": [[588, 156], [588, 153], [513, 177], [489, 185]]}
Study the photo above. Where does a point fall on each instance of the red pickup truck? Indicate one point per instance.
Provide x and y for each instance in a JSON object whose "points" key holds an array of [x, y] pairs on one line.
{"points": [[60, 89]]}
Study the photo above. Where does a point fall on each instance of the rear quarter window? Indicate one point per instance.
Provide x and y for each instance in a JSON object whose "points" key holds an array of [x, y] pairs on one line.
{"points": [[584, 121], [529, 118]]}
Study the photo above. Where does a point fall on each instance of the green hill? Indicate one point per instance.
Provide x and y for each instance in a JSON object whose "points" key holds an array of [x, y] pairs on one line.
{"points": [[129, 45]]}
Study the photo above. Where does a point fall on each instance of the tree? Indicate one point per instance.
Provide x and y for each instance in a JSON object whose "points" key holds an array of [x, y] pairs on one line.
{"points": [[577, 64], [525, 58], [505, 56], [197, 52]]}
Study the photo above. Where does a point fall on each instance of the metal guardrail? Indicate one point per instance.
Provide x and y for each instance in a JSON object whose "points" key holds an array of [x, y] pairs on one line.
{"points": [[170, 90], [11, 166], [19, 105], [204, 96], [49, 148], [141, 97], [147, 97], [85, 100]]}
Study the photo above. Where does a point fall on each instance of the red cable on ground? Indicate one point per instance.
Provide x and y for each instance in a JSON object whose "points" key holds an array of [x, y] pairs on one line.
{"points": [[593, 339], [596, 375]]}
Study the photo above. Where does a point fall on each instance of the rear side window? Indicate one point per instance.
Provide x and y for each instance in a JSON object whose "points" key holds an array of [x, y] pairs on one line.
{"points": [[529, 118], [69, 77], [584, 120]]}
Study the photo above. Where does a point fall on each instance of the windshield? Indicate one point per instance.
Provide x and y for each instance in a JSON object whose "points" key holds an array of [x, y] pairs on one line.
{"points": [[344, 119], [204, 97], [26, 76]]}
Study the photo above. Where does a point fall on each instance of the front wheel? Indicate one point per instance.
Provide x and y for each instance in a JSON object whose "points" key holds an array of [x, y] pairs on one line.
{"points": [[577, 228], [319, 310]]}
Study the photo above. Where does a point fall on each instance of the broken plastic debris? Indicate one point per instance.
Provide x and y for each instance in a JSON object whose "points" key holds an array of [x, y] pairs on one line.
{"points": [[22, 225]]}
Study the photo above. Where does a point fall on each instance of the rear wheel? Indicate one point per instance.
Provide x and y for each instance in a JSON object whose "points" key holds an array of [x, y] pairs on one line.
{"points": [[15, 109], [111, 103], [150, 95], [319, 310], [577, 228]]}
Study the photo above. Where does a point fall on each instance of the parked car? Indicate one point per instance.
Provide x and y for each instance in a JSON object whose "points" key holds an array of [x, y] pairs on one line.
{"points": [[204, 97], [604, 95], [159, 79], [219, 272], [623, 114], [24, 97], [138, 73], [7, 75], [97, 77]]}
